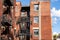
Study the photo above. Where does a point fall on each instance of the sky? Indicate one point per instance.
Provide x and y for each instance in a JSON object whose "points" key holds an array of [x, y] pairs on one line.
{"points": [[24, 2], [55, 13]]}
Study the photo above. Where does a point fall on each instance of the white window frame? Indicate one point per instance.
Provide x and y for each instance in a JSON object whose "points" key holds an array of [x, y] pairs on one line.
{"points": [[36, 28], [23, 14], [36, 7], [36, 19]]}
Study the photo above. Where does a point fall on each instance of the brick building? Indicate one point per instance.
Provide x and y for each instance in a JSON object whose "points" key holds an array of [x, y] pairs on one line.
{"points": [[7, 14], [27, 22], [41, 20]]}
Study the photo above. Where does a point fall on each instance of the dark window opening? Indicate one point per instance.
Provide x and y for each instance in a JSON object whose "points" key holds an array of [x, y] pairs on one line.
{"points": [[36, 32]]}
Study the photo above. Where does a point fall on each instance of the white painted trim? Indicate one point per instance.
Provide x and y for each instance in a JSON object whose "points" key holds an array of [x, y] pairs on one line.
{"points": [[40, 21], [35, 27]]}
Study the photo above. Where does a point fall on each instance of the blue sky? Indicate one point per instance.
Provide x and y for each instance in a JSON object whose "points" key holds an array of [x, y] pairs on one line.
{"points": [[55, 13], [24, 2]]}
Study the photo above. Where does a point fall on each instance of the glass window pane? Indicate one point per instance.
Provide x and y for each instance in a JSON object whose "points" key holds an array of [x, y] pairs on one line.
{"points": [[36, 32], [36, 19], [23, 14], [36, 7]]}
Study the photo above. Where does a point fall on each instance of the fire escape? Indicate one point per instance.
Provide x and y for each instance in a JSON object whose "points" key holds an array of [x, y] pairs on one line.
{"points": [[6, 17], [24, 22]]}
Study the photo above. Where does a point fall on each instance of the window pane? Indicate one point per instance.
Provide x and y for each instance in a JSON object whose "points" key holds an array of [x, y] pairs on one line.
{"points": [[36, 7], [23, 14], [36, 19], [36, 32]]}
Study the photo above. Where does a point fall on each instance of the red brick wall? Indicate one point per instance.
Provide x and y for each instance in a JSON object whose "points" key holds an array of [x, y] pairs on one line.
{"points": [[33, 13], [46, 31], [0, 7], [46, 28]]}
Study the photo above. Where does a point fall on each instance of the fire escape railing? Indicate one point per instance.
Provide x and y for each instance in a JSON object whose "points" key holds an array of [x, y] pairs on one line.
{"points": [[23, 31], [23, 19], [7, 11], [6, 20]]}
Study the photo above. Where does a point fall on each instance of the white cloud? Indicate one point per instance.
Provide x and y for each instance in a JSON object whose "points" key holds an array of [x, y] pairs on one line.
{"points": [[55, 12], [55, 33], [54, 20]]}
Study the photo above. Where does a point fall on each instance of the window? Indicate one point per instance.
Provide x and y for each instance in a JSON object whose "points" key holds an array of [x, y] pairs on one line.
{"points": [[36, 32], [23, 14], [36, 7], [36, 19]]}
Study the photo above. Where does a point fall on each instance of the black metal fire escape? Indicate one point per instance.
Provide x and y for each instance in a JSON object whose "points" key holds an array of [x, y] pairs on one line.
{"points": [[24, 22], [7, 4], [6, 22], [24, 29]]}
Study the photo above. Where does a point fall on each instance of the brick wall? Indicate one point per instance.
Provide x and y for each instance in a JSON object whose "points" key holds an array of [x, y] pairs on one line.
{"points": [[46, 28]]}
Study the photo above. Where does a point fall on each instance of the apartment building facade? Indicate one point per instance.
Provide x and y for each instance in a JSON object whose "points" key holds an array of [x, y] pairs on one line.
{"points": [[41, 20], [29, 22]]}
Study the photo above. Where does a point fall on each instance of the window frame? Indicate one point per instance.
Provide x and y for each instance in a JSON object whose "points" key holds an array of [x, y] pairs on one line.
{"points": [[36, 29], [23, 14], [36, 7], [36, 19]]}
